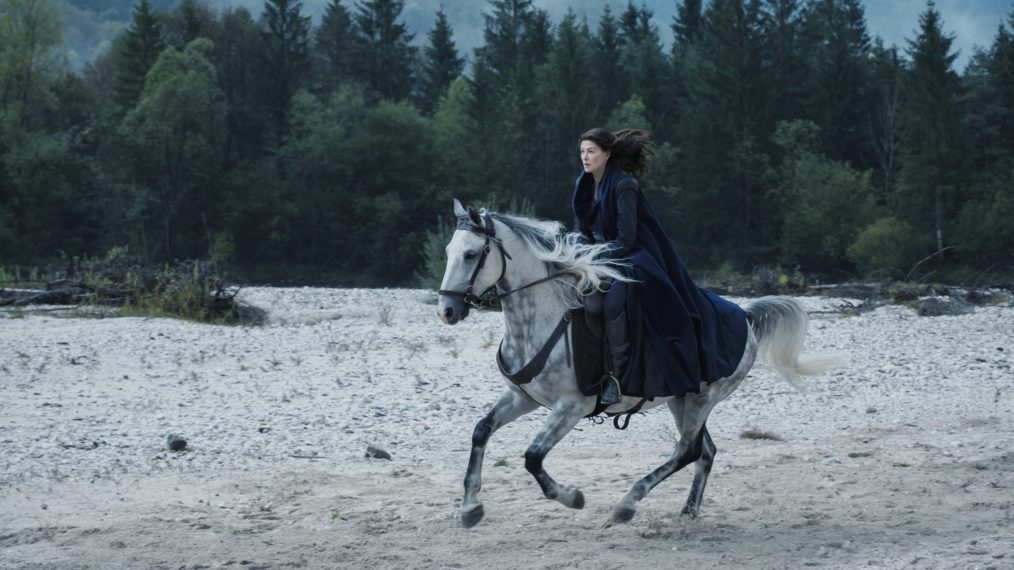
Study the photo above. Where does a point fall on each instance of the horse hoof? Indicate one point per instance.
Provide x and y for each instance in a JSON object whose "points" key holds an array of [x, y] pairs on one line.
{"points": [[688, 513], [472, 516], [576, 499], [622, 515], [571, 497]]}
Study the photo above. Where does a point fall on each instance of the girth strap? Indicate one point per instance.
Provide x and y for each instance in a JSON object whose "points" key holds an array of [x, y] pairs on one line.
{"points": [[537, 364]]}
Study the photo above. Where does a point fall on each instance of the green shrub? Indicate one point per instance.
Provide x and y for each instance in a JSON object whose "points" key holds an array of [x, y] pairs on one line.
{"points": [[431, 273], [189, 290], [888, 245], [435, 240]]}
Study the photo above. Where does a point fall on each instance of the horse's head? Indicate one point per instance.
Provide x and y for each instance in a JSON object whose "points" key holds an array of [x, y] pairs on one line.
{"points": [[471, 270]]}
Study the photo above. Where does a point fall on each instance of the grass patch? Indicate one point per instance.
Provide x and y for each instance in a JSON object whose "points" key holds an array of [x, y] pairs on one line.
{"points": [[190, 289]]}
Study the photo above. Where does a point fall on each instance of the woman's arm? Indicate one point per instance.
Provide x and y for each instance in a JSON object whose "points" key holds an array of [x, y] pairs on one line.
{"points": [[626, 221], [586, 232]]}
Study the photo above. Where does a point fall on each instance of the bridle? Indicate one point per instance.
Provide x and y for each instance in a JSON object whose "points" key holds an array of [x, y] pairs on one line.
{"points": [[489, 232], [537, 364]]}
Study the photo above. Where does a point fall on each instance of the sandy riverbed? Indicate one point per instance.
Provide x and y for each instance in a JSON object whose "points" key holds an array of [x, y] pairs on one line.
{"points": [[902, 457]]}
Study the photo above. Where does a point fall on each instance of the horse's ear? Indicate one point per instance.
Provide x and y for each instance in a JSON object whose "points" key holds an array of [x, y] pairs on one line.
{"points": [[474, 216], [459, 210]]}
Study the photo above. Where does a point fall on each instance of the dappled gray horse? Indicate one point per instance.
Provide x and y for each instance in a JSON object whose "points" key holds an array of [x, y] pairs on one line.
{"points": [[540, 273]]}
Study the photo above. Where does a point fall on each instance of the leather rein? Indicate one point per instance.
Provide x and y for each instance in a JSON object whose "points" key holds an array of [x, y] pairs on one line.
{"points": [[535, 367], [489, 232], [537, 364]]}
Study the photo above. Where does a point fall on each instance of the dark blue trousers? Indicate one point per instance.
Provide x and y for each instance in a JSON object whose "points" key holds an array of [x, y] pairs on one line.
{"points": [[615, 301]]}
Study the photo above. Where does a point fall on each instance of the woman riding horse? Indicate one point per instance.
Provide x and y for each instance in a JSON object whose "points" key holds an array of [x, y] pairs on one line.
{"points": [[664, 334]]}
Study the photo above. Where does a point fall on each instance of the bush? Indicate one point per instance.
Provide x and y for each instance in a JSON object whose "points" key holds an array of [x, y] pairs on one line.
{"points": [[826, 203], [434, 255], [192, 290], [888, 245], [985, 232], [434, 243]]}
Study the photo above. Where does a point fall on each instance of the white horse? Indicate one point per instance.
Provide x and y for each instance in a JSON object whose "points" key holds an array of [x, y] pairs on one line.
{"points": [[540, 273]]}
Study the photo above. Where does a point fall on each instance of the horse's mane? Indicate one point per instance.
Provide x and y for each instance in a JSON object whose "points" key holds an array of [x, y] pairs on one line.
{"points": [[565, 253]]}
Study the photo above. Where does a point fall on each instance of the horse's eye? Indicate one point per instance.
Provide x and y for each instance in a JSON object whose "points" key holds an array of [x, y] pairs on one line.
{"points": [[471, 255]]}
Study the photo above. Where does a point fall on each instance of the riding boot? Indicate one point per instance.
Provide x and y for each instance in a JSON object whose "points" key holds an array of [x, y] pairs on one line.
{"points": [[617, 347]]}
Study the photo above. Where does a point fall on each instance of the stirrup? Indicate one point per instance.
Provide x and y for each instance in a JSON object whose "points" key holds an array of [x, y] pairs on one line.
{"points": [[611, 394]]}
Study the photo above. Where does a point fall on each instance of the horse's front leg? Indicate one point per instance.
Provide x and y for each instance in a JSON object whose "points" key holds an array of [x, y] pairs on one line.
{"points": [[561, 420], [511, 406]]}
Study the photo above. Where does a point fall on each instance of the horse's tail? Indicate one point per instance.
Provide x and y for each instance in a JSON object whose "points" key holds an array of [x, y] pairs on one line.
{"points": [[779, 323]]}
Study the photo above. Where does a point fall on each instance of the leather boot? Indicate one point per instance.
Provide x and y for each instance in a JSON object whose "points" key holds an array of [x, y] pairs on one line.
{"points": [[617, 346]]}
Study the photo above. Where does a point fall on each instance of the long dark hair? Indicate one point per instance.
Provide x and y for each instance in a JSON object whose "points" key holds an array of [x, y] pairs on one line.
{"points": [[629, 149]]}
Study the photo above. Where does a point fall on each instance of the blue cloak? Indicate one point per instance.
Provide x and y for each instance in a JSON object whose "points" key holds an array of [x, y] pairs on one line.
{"points": [[681, 335]]}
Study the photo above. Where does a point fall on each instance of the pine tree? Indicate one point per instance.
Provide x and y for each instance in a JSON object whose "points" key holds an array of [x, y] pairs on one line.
{"points": [[686, 24], [138, 49], [1002, 78], [984, 232], [884, 126], [785, 68], [334, 43], [629, 23], [441, 64], [723, 135], [192, 19], [568, 99], [838, 46], [650, 73], [286, 37], [384, 58], [482, 103], [505, 106], [238, 49], [612, 82], [538, 38], [504, 35], [983, 113], [936, 149]]}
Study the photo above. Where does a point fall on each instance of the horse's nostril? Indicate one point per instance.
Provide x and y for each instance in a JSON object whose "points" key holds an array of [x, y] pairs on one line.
{"points": [[449, 312]]}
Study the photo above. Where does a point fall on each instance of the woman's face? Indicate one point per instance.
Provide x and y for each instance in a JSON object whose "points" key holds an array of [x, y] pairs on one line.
{"points": [[593, 157]]}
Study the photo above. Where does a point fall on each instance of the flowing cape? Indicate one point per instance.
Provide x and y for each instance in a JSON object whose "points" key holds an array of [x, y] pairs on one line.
{"points": [[681, 335]]}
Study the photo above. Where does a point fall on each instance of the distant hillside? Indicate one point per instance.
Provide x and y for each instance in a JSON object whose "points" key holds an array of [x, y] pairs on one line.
{"points": [[91, 25]]}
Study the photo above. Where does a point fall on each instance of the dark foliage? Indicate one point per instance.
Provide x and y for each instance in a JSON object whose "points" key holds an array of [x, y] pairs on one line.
{"points": [[784, 136]]}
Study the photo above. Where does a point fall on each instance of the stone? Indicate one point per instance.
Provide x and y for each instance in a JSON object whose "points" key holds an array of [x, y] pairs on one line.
{"points": [[176, 442], [937, 307], [376, 452]]}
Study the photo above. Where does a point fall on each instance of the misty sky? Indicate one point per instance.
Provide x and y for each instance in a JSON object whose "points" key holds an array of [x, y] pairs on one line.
{"points": [[973, 22]]}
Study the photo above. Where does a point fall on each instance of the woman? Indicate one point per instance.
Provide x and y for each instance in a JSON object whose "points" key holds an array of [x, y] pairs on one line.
{"points": [[664, 335]]}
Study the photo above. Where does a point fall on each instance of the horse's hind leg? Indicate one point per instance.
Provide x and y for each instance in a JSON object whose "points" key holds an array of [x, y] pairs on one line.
{"points": [[707, 459], [695, 445], [509, 407], [700, 407], [561, 420], [688, 450]]}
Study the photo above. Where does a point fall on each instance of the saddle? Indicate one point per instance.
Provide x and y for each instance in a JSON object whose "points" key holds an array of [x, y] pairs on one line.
{"points": [[589, 345], [585, 351], [588, 337]]}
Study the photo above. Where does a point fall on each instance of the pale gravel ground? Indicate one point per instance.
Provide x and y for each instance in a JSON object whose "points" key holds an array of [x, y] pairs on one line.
{"points": [[901, 458]]}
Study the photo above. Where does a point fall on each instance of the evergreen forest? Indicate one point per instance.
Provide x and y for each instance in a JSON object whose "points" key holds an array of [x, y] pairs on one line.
{"points": [[785, 136]]}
